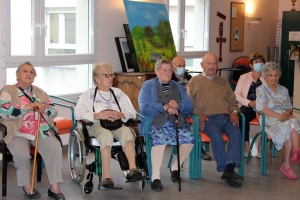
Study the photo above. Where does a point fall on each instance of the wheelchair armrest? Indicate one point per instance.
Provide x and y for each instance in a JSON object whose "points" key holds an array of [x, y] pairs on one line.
{"points": [[132, 121], [86, 123]]}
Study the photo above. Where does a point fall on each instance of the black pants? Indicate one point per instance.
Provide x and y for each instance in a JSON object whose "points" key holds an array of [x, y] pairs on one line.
{"points": [[249, 115]]}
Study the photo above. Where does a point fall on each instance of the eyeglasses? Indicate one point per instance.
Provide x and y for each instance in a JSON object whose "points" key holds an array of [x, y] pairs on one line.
{"points": [[108, 75]]}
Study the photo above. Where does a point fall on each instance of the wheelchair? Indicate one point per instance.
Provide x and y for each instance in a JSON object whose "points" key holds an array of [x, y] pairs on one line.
{"points": [[80, 144]]}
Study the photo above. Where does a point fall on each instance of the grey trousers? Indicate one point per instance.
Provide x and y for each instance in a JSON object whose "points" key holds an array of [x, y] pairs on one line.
{"points": [[50, 151]]}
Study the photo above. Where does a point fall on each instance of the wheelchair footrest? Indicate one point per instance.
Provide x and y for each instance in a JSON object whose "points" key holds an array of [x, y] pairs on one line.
{"points": [[133, 180], [114, 188]]}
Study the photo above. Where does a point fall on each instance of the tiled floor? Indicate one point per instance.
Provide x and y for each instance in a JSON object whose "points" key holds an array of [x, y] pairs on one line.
{"points": [[271, 186]]}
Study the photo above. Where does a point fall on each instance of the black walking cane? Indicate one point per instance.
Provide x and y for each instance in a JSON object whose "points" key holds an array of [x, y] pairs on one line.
{"points": [[177, 145]]}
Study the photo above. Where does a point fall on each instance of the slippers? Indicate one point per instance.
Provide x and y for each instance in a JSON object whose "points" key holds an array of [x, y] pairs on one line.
{"points": [[289, 173], [35, 194], [296, 157], [108, 183]]}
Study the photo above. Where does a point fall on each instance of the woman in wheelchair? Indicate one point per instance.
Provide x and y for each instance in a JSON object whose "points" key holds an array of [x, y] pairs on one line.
{"points": [[160, 99], [17, 114], [105, 103], [273, 100]]}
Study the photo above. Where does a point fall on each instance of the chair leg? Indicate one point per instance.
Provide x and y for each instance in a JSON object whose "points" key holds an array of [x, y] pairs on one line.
{"points": [[251, 146], [39, 168], [4, 170]]}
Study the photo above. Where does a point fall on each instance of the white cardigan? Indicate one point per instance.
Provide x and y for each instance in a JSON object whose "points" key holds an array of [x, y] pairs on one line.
{"points": [[242, 88]]}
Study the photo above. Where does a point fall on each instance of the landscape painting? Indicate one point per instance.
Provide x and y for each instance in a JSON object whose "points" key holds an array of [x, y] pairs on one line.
{"points": [[151, 33]]}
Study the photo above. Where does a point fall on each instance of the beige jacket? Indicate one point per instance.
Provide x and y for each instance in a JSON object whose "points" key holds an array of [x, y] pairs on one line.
{"points": [[13, 125]]}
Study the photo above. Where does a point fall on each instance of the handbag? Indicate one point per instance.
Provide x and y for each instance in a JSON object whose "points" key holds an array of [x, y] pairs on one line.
{"points": [[106, 123]]}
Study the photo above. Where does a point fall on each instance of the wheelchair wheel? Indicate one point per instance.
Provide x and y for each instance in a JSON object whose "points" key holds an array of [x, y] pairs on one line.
{"points": [[87, 187], [142, 185], [77, 155]]}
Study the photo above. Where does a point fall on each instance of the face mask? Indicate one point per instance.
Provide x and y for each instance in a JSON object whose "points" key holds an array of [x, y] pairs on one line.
{"points": [[258, 67], [180, 71]]}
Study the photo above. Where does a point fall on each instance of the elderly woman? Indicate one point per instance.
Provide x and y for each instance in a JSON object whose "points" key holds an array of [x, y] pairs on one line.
{"points": [[273, 100], [99, 103], [245, 93], [17, 114], [160, 99]]}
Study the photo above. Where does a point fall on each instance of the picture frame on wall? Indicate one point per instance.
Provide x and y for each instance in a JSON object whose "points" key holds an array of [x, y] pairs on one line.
{"points": [[237, 20], [124, 54]]}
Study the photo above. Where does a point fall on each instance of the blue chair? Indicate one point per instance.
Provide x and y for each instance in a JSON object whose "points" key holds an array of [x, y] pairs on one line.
{"points": [[196, 170], [194, 162], [264, 144]]}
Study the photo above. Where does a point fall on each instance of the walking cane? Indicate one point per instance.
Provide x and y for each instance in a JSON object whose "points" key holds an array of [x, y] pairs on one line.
{"points": [[178, 157], [35, 109]]}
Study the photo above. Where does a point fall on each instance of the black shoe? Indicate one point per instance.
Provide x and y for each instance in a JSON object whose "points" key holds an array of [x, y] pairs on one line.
{"points": [[58, 196], [156, 185], [234, 177], [35, 194], [174, 175], [234, 184], [205, 156], [108, 183], [135, 174]]}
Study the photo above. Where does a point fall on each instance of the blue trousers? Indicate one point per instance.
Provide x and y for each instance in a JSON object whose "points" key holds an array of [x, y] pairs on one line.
{"points": [[214, 127]]}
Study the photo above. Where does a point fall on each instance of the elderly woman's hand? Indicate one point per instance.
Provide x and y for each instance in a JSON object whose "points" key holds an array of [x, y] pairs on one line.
{"points": [[172, 111], [173, 104], [115, 115], [41, 106]]}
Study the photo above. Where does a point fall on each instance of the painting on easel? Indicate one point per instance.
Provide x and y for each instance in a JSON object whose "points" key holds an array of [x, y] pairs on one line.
{"points": [[151, 33]]}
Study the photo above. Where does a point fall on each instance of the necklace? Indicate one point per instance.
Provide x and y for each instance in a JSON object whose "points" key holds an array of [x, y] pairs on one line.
{"points": [[103, 97]]}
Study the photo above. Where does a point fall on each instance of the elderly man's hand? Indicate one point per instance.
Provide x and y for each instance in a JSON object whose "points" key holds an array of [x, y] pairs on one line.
{"points": [[202, 121], [234, 118]]}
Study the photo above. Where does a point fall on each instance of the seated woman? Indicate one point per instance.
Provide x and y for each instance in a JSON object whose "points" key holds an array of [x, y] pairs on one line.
{"points": [[17, 114], [99, 103], [245, 93], [273, 100], [160, 99]]}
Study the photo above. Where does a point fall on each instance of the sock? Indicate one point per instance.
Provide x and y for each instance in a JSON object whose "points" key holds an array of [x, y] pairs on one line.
{"points": [[230, 167]]}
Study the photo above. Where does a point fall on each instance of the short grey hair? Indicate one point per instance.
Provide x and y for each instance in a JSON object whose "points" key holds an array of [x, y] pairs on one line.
{"points": [[25, 63], [98, 70], [159, 63], [269, 66]]}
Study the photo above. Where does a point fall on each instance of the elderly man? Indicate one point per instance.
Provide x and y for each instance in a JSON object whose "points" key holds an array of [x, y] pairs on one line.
{"points": [[182, 76], [216, 105]]}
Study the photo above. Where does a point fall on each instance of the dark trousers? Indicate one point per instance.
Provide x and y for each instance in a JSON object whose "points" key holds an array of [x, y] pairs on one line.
{"points": [[249, 115]]}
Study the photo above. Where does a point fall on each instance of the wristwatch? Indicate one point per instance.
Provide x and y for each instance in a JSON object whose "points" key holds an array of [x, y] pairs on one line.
{"points": [[234, 111]]}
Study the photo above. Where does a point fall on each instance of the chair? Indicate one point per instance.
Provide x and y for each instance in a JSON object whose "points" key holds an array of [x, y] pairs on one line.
{"points": [[239, 66], [264, 141], [65, 126], [194, 161], [7, 157], [197, 152]]}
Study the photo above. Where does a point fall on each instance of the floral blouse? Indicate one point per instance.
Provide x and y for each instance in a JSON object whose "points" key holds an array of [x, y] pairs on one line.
{"points": [[29, 124]]}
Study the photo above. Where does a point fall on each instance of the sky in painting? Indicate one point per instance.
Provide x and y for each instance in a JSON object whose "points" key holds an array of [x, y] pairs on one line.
{"points": [[144, 13]]}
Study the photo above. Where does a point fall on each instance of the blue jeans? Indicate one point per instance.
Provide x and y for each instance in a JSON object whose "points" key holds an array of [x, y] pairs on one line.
{"points": [[214, 127]]}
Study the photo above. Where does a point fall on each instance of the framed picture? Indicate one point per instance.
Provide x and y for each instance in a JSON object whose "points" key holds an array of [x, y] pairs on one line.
{"points": [[237, 21], [124, 54]]}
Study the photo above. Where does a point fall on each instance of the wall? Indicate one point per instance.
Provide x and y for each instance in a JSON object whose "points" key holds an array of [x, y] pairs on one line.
{"points": [[257, 36]]}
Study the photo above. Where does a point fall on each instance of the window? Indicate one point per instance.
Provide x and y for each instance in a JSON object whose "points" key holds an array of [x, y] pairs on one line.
{"points": [[57, 37], [190, 27]]}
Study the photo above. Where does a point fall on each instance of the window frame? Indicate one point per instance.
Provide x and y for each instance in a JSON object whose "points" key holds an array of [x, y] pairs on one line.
{"points": [[39, 57], [181, 27]]}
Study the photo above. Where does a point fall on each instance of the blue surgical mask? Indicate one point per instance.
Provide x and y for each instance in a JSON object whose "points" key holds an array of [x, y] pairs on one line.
{"points": [[180, 71], [258, 67]]}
